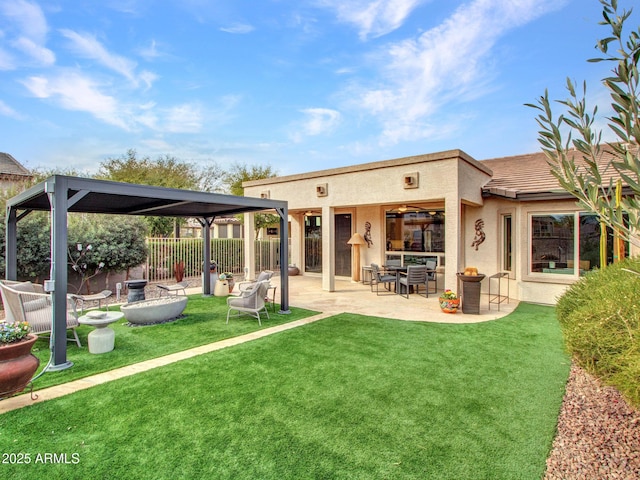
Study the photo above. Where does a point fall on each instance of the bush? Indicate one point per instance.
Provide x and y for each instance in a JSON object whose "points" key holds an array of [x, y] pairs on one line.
{"points": [[600, 319]]}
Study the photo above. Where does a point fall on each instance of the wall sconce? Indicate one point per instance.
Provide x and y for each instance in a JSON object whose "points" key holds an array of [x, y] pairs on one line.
{"points": [[411, 180]]}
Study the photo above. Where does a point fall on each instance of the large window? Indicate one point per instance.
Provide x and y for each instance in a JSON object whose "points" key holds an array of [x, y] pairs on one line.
{"points": [[552, 243], [567, 244], [415, 231]]}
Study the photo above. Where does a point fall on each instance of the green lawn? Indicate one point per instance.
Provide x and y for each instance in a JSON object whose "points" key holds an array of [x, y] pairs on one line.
{"points": [[346, 397], [203, 323]]}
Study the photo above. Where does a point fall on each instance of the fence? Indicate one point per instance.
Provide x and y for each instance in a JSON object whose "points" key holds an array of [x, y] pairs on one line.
{"points": [[228, 253]]}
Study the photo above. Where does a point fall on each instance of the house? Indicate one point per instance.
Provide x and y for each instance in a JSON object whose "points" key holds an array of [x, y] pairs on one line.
{"points": [[504, 215], [12, 173], [222, 227]]}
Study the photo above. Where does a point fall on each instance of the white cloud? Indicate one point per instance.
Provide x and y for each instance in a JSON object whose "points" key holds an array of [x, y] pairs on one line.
{"points": [[28, 34], [419, 76], [186, 118], [74, 91], [240, 28], [88, 46], [373, 18], [7, 111], [318, 121]]}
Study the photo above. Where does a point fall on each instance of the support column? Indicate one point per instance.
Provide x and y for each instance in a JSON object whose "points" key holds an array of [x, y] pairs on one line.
{"points": [[453, 227], [206, 255], [328, 249], [57, 190], [11, 245], [250, 245], [284, 260]]}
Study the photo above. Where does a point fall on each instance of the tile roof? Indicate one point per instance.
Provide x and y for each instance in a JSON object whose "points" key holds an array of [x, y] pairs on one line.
{"points": [[523, 175], [10, 166]]}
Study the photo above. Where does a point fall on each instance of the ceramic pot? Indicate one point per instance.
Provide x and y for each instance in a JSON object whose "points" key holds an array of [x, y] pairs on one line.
{"points": [[17, 366], [448, 305]]}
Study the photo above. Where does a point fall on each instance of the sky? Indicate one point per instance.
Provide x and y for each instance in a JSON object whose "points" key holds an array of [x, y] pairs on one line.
{"points": [[298, 85]]}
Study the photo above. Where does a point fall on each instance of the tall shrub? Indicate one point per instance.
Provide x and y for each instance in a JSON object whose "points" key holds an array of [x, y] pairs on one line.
{"points": [[600, 319]]}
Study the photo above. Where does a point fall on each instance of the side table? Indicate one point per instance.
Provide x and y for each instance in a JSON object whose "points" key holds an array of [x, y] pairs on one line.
{"points": [[102, 339]]}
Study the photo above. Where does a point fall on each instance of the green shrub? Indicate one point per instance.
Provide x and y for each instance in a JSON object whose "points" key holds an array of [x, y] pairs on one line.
{"points": [[600, 319]]}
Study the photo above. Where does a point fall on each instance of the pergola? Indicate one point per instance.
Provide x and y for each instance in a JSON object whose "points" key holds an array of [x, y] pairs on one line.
{"points": [[61, 194]]}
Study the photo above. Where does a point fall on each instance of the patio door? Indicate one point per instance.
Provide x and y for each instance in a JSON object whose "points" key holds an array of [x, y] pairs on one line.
{"points": [[343, 249], [313, 243]]}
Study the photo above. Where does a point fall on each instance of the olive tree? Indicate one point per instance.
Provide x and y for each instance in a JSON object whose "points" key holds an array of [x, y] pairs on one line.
{"points": [[584, 178]]}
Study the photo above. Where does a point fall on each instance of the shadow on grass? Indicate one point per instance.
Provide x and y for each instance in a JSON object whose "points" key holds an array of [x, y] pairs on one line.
{"points": [[203, 322]]}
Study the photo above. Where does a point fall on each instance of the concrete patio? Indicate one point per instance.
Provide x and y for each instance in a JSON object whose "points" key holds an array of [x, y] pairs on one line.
{"points": [[354, 297]]}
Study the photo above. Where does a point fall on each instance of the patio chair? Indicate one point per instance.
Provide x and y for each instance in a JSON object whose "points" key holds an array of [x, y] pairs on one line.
{"points": [[250, 302], [247, 285], [432, 276], [99, 297], [381, 277], [27, 302], [415, 276], [175, 288]]}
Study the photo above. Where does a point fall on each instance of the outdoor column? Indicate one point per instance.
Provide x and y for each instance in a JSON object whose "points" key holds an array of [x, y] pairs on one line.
{"points": [[206, 255], [284, 260], [57, 190], [250, 245], [11, 246], [453, 232], [328, 249]]}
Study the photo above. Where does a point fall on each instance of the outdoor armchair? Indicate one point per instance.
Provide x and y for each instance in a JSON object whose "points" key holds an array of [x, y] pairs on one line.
{"points": [[27, 302], [432, 276], [265, 275], [381, 277], [415, 276], [250, 302]]}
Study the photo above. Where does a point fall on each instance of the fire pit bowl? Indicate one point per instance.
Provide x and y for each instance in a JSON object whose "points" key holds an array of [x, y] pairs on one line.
{"points": [[151, 312]]}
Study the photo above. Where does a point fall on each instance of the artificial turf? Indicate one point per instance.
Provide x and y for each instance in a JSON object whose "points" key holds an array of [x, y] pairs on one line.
{"points": [[203, 321], [345, 397]]}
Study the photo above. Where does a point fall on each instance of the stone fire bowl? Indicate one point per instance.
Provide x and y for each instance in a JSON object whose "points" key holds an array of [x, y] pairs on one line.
{"points": [[158, 310]]}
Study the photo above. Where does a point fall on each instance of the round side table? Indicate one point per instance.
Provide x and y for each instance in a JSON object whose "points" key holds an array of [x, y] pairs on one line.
{"points": [[102, 339]]}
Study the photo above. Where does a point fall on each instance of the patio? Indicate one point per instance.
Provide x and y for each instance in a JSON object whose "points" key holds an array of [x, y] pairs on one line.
{"points": [[306, 292]]}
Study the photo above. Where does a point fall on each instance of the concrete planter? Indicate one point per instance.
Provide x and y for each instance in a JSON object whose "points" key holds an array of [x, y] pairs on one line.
{"points": [[150, 312]]}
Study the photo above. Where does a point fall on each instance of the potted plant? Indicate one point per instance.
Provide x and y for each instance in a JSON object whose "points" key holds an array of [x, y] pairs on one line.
{"points": [[449, 301], [228, 276], [17, 363]]}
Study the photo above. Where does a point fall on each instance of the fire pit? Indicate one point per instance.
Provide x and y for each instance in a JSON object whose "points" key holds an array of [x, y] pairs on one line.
{"points": [[151, 312]]}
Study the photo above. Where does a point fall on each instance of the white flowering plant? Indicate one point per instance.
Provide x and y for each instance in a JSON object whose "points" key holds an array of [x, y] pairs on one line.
{"points": [[13, 332]]}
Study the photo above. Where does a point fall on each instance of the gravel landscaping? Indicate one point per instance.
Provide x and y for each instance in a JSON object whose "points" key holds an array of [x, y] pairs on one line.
{"points": [[598, 433]]}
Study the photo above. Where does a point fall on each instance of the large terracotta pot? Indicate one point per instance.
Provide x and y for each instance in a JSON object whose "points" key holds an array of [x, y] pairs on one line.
{"points": [[17, 366]]}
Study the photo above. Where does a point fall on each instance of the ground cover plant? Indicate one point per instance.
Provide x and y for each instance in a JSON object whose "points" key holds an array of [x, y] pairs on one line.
{"points": [[345, 397], [600, 319], [203, 322]]}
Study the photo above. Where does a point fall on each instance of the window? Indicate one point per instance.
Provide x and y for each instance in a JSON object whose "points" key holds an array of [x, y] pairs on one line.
{"points": [[568, 244], [507, 243], [552, 243], [222, 231], [415, 231]]}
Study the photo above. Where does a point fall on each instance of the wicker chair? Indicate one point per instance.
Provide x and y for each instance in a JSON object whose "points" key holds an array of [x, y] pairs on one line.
{"points": [[250, 302], [27, 302]]}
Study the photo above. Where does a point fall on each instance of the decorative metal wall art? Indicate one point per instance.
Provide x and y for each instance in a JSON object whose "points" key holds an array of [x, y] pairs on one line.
{"points": [[367, 234], [480, 236]]}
